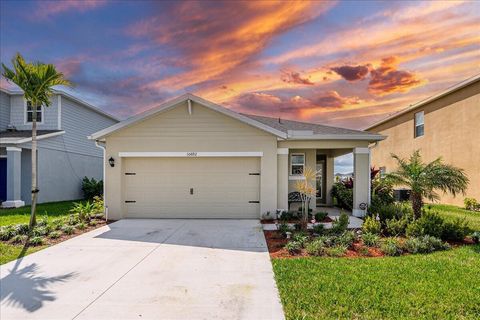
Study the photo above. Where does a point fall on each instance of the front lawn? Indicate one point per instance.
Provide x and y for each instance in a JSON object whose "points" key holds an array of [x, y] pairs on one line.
{"points": [[9, 252], [450, 212], [441, 285], [22, 215]]}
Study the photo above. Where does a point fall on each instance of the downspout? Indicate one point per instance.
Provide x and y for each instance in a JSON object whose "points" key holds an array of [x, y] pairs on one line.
{"points": [[105, 208]]}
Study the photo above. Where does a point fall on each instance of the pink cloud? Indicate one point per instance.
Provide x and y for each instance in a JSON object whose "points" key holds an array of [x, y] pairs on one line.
{"points": [[294, 77], [352, 73]]}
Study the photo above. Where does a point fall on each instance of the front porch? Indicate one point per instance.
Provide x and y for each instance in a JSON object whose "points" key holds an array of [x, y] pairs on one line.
{"points": [[296, 156]]}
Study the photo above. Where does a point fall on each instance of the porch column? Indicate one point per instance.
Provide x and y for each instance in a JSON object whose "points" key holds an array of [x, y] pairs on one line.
{"points": [[14, 178], [282, 178], [330, 178], [361, 184]]}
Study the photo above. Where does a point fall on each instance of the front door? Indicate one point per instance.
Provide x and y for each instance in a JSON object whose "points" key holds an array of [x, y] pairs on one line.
{"points": [[320, 182], [3, 179]]}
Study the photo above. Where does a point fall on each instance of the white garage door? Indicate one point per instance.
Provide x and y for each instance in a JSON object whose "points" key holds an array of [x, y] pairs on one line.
{"points": [[192, 187]]}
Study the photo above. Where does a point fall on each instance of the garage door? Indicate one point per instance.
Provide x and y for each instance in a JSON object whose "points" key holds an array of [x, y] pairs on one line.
{"points": [[192, 187]]}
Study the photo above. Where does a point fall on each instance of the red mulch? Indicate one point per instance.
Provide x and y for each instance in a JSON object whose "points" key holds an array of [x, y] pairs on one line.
{"points": [[269, 221]]}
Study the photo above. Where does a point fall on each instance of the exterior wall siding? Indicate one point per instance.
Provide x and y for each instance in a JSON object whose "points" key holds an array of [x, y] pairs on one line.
{"points": [[450, 132], [17, 114], [4, 110]]}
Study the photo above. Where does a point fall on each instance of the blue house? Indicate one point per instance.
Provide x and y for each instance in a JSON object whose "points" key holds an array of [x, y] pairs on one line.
{"points": [[65, 155]]}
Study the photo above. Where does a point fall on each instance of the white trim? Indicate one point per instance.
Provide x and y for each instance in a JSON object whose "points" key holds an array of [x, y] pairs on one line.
{"points": [[173, 103], [3, 156], [299, 177], [353, 136], [361, 150], [282, 151], [291, 164], [189, 102], [59, 111], [14, 149], [25, 112], [25, 140], [13, 204], [188, 154]]}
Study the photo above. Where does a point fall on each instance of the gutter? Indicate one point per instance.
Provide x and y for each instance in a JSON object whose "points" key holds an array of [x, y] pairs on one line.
{"points": [[102, 146]]}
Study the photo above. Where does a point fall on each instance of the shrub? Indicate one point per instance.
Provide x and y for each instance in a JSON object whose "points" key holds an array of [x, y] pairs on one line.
{"points": [[92, 188], [81, 226], [42, 222], [73, 219], [36, 241], [83, 210], [371, 225], [346, 239], [55, 234], [68, 229], [455, 230], [98, 205], [288, 215], [283, 228], [7, 232], [301, 238], [40, 231], [364, 251], [391, 247], [22, 228], [425, 244], [340, 225], [336, 251], [370, 239], [315, 247], [19, 238], [476, 237], [319, 229], [92, 222], [392, 211], [471, 204], [396, 227], [57, 224], [342, 195], [430, 223], [320, 216], [293, 247]]}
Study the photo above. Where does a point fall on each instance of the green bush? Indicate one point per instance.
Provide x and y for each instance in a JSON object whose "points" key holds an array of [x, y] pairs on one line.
{"points": [[391, 247], [72, 219], [92, 188], [396, 227], [430, 223], [346, 239], [19, 238], [55, 234], [42, 222], [40, 231], [336, 251], [392, 211], [425, 244], [370, 239], [81, 226], [476, 237], [342, 195], [67, 229], [22, 228], [293, 247], [319, 229], [340, 225], [283, 228], [471, 204], [83, 210], [320, 216], [455, 230], [300, 238], [57, 224], [371, 225], [315, 247], [36, 241], [7, 232]]}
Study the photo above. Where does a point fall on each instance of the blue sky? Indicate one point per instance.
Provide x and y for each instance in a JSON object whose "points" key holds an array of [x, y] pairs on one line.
{"points": [[341, 63]]}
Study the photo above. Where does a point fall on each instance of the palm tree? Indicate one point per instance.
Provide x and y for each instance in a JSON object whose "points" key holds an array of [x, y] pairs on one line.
{"points": [[307, 191], [36, 80], [424, 178]]}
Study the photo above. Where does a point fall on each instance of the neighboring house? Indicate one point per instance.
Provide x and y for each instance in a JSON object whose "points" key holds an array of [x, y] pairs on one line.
{"points": [[343, 176], [190, 158], [444, 125], [65, 155]]}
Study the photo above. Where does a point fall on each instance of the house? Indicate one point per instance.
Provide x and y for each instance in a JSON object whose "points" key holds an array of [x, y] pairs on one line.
{"points": [[191, 158], [444, 125], [65, 155]]}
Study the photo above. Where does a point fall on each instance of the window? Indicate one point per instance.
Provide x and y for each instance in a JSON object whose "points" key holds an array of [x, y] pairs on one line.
{"points": [[29, 110], [419, 122], [297, 164], [383, 172]]}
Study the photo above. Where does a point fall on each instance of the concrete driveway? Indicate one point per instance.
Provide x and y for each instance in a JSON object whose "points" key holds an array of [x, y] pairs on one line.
{"points": [[147, 269]]}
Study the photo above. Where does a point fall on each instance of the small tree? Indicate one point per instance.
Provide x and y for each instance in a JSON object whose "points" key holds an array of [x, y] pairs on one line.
{"points": [[424, 178], [307, 192], [36, 80]]}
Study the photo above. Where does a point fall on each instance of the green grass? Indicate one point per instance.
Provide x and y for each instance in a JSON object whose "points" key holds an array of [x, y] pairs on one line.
{"points": [[442, 285], [9, 252], [451, 212], [22, 215]]}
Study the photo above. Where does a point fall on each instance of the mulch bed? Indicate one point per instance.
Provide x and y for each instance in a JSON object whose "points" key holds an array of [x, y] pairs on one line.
{"points": [[294, 221], [63, 237]]}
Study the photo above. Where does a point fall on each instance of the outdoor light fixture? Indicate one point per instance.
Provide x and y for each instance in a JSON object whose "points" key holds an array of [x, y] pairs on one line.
{"points": [[112, 162]]}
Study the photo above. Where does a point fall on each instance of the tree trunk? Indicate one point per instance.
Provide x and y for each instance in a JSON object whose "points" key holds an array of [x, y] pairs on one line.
{"points": [[33, 219], [417, 204]]}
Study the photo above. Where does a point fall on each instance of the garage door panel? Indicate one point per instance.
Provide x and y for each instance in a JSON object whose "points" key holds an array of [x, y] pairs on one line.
{"points": [[222, 187]]}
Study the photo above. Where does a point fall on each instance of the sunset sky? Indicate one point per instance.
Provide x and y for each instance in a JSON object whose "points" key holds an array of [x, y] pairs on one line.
{"points": [[339, 63]]}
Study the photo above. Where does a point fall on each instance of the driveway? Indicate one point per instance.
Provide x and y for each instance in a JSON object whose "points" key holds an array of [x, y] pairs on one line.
{"points": [[147, 269]]}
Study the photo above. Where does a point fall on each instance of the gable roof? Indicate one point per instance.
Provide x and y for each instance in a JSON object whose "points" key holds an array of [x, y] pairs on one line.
{"points": [[423, 102], [69, 96]]}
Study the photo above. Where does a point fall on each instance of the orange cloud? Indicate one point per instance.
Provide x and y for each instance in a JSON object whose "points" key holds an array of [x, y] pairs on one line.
{"points": [[387, 79], [295, 78]]}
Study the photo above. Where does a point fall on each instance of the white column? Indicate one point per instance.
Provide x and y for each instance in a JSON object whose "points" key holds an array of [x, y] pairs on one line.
{"points": [[282, 178], [14, 178], [361, 184]]}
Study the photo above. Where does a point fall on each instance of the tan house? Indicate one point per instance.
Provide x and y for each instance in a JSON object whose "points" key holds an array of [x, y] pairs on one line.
{"points": [[190, 158], [445, 125]]}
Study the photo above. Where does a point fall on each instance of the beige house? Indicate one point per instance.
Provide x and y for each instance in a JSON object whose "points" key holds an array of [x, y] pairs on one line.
{"points": [[190, 158], [445, 125]]}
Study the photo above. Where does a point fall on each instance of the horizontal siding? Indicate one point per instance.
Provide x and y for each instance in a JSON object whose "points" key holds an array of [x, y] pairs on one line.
{"points": [[4, 110], [17, 114]]}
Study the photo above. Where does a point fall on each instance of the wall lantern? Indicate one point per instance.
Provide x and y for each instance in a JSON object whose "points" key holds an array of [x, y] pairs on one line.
{"points": [[112, 162]]}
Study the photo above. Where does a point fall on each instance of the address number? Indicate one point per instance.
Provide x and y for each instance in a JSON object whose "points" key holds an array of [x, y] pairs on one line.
{"points": [[191, 154]]}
